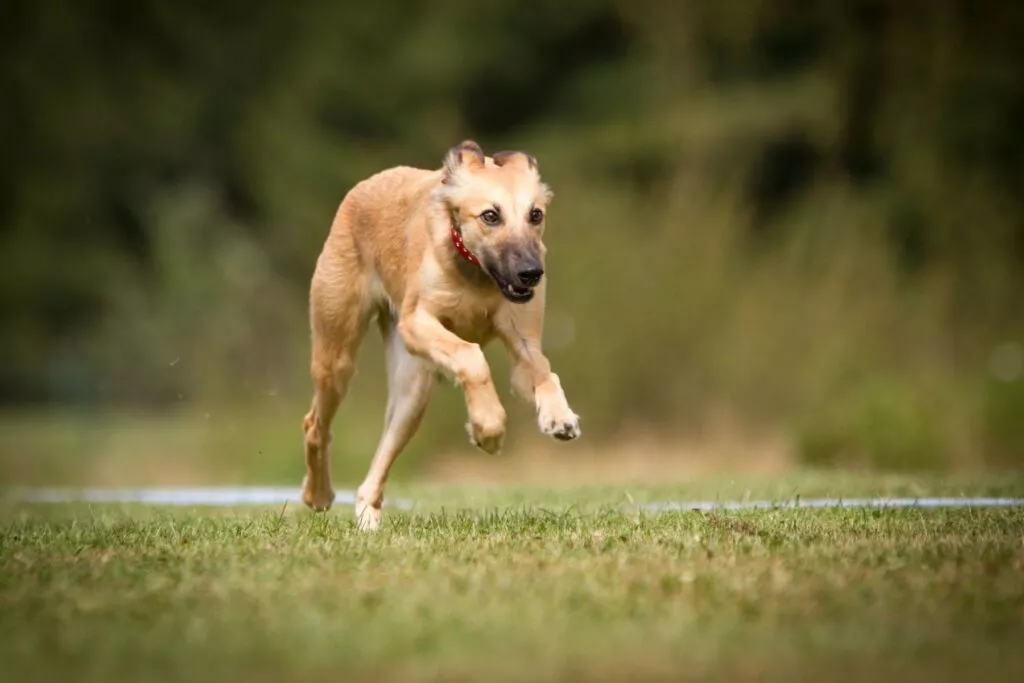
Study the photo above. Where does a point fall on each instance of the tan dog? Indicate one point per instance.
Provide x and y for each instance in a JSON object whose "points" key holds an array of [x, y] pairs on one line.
{"points": [[445, 260]]}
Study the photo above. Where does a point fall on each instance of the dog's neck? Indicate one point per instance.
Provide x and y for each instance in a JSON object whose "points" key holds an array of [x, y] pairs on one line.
{"points": [[460, 247], [465, 262]]}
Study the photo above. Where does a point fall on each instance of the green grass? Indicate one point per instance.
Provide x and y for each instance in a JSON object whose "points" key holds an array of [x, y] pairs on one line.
{"points": [[521, 584]]}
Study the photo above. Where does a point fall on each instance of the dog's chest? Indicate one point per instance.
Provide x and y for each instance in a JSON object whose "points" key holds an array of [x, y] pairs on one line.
{"points": [[472, 325]]}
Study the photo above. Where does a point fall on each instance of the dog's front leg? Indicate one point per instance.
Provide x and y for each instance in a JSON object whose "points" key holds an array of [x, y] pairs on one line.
{"points": [[532, 378], [425, 336]]}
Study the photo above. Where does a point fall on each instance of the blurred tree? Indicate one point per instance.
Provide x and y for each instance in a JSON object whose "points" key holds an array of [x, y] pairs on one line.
{"points": [[170, 171]]}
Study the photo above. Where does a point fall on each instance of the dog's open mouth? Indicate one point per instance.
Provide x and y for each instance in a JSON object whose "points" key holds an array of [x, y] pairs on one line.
{"points": [[514, 293], [517, 295]]}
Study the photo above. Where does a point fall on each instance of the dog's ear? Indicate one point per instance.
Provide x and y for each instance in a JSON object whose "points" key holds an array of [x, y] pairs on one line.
{"points": [[516, 159], [547, 192], [465, 154], [524, 162]]}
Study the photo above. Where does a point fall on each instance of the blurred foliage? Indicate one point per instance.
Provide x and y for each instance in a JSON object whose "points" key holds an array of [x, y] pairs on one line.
{"points": [[881, 426], [1002, 424], [804, 213]]}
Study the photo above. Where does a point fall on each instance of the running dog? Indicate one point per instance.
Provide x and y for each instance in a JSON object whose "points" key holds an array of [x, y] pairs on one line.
{"points": [[445, 260]]}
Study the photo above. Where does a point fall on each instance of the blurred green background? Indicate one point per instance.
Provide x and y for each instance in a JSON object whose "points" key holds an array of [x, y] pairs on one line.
{"points": [[784, 232]]}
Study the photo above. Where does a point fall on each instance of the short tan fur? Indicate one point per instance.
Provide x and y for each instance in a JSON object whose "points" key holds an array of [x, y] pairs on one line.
{"points": [[391, 255]]}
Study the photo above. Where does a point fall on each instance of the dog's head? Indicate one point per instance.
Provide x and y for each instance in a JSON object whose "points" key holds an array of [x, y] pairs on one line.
{"points": [[499, 206]]}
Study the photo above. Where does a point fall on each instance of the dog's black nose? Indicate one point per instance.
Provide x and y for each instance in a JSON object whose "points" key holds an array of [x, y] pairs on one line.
{"points": [[531, 276]]}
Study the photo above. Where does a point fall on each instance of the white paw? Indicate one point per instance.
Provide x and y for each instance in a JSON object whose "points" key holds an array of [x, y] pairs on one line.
{"points": [[565, 428], [368, 517]]}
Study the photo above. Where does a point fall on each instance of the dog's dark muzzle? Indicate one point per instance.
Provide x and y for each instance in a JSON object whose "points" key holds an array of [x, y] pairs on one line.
{"points": [[517, 275]]}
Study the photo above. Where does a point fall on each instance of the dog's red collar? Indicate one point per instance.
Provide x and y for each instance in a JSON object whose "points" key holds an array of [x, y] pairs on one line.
{"points": [[461, 248]]}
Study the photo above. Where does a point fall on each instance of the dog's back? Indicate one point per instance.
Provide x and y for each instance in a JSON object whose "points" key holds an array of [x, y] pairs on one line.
{"points": [[380, 223]]}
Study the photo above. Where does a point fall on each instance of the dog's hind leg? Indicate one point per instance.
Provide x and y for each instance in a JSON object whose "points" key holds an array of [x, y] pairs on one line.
{"points": [[317, 492], [410, 380], [339, 316]]}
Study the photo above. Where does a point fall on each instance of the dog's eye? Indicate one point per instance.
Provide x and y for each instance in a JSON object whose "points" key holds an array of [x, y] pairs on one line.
{"points": [[490, 217], [536, 216]]}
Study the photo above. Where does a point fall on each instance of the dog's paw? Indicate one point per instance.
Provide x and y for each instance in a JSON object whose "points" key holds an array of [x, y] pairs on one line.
{"points": [[564, 429], [486, 428], [489, 441], [318, 501], [368, 517]]}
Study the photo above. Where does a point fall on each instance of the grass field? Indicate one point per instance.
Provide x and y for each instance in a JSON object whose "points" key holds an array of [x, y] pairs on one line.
{"points": [[523, 583]]}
